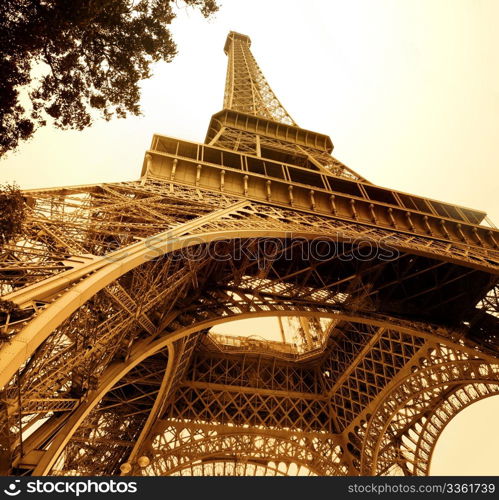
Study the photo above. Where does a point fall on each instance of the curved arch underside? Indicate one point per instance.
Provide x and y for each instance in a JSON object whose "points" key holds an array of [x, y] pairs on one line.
{"points": [[112, 360], [221, 467]]}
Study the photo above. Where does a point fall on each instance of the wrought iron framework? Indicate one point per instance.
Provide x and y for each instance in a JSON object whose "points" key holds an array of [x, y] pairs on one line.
{"points": [[109, 354]]}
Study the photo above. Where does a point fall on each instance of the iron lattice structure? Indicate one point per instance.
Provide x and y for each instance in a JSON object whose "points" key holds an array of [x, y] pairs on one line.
{"points": [[110, 354]]}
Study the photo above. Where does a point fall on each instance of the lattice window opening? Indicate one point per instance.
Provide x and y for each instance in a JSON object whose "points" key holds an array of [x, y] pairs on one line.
{"points": [[288, 334]]}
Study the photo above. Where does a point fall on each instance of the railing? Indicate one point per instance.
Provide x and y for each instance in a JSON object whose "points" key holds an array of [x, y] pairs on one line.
{"points": [[297, 352]]}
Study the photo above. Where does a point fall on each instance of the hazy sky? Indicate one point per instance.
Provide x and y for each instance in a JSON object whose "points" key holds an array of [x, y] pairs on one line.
{"points": [[408, 90]]}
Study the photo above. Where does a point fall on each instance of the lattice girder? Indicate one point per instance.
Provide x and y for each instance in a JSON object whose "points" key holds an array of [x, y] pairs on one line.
{"points": [[179, 443], [246, 88], [272, 280]]}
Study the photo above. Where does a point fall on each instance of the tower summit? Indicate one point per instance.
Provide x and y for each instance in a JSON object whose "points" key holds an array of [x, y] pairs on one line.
{"points": [[246, 89], [254, 120], [110, 363]]}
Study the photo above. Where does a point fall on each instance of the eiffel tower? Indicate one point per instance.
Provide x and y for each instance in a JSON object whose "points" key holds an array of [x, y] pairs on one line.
{"points": [[112, 356]]}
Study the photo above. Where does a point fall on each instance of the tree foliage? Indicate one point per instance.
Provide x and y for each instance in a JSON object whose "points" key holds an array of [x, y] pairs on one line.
{"points": [[68, 61], [9, 310], [12, 212]]}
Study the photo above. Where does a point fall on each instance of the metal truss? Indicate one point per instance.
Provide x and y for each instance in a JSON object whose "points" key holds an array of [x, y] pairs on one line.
{"points": [[182, 445], [247, 92], [108, 353], [246, 88]]}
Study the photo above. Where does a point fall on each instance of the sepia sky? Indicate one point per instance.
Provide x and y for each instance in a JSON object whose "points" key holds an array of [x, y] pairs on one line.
{"points": [[408, 90]]}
